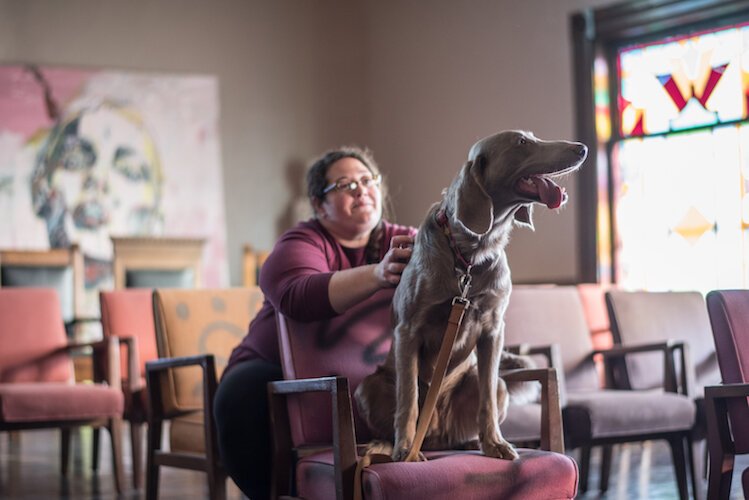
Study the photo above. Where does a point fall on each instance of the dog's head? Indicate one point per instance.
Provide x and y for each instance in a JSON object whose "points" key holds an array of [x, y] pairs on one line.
{"points": [[507, 173]]}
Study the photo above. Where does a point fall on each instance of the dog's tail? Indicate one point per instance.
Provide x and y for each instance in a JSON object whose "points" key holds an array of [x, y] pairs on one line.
{"points": [[520, 392]]}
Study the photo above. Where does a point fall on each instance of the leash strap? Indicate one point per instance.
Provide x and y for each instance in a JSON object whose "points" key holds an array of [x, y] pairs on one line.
{"points": [[460, 305]]}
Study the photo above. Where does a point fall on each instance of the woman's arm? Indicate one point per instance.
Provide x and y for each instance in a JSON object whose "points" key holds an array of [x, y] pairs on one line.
{"points": [[350, 286]]}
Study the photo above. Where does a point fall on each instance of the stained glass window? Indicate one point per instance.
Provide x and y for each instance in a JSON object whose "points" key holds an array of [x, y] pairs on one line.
{"points": [[689, 82], [679, 164]]}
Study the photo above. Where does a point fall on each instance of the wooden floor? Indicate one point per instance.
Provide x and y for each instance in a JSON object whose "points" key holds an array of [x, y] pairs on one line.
{"points": [[29, 469]]}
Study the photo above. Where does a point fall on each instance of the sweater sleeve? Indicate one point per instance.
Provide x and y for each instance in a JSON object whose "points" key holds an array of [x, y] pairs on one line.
{"points": [[296, 275]]}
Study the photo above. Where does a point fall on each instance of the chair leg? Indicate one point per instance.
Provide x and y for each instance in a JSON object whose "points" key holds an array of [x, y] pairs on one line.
{"points": [[216, 482], [152, 468], [719, 478], [694, 461], [95, 449], [607, 451], [115, 432], [680, 467], [584, 468], [64, 450], [136, 446]]}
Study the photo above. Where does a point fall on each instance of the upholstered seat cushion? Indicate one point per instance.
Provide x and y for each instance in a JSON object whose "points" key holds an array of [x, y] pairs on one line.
{"points": [[450, 475], [50, 401], [610, 413]]}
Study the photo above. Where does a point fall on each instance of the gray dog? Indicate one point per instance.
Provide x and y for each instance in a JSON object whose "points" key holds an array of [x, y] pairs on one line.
{"points": [[463, 241]]}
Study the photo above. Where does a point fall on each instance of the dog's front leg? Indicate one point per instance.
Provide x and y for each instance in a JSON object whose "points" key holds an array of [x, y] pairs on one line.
{"points": [[493, 399], [407, 391]]}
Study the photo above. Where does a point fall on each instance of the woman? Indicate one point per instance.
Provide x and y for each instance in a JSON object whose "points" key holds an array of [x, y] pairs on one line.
{"points": [[317, 270]]}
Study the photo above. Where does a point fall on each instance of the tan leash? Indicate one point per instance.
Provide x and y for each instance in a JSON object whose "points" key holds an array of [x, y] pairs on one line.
{"points": [[459, 307]]}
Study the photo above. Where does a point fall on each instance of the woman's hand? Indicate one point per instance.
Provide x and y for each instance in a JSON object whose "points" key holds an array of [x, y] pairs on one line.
{"points": [[388, 271]]}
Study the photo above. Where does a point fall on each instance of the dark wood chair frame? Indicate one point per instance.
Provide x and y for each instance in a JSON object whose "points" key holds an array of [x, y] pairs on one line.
{"points": [[344, 444], [720, 443], [677, 440], [156, 372], [107, 369]]}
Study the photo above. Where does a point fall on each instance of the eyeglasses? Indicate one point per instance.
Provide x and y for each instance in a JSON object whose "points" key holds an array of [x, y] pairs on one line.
{"points": [[351, 186]]}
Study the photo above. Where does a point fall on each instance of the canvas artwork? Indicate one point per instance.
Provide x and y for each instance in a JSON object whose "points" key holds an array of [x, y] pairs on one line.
{"points": [[89, 154]]}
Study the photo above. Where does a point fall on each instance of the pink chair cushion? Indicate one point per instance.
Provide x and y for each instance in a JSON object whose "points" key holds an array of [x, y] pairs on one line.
{"points": [[41, 402], [450, 475], [352, 344], [129, 313], [32, 330]]}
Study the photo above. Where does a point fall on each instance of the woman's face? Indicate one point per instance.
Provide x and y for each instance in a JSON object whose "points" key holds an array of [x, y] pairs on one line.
{"points": [[350, 214]]}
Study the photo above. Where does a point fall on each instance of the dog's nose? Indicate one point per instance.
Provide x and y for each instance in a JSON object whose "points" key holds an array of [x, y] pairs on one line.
{"points": [[582, 150]]}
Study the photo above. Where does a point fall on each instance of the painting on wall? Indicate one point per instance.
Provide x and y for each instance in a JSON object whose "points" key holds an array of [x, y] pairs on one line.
{"points": [[89, 154]]}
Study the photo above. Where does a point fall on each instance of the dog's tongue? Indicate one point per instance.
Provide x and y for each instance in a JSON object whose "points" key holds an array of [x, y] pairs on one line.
{"points": [[549, 192]]}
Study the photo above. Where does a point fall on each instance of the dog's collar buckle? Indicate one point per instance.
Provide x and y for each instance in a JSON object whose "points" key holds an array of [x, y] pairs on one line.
{"points": [[464, 284]]}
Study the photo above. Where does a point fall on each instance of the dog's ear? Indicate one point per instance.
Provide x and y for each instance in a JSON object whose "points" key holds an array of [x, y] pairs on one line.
{"points": [[474, 206], [524, 216]]}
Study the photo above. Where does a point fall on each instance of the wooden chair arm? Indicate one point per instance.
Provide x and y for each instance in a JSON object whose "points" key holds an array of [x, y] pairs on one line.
{"points": [[105, 355], [158, 368], [552, 432], [344, 439], [719, 438], [553, 356], [670, 383]]}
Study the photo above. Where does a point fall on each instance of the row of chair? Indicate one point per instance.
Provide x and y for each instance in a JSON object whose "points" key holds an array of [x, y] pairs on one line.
{"points": [[640, 398]]}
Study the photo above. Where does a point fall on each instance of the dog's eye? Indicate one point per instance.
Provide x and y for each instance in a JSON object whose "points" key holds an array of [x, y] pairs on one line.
{"points": [[522, 141]]}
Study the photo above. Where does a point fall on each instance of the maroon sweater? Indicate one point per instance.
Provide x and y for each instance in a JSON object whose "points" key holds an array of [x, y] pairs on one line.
{"points": [[294, 280]]}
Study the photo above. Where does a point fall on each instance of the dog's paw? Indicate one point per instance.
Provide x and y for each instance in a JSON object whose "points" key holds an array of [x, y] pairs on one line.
{"points": [[400, 452], [500, 449]]}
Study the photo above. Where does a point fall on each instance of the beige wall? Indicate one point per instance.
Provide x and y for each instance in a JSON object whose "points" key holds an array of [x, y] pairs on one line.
{"points": [[417, 81]]}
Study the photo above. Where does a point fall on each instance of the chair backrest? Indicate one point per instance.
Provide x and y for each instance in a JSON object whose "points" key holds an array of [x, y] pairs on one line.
{"points": [[31, 334], [349, 345], [592, 296], [129, 313], [648, 317], [191, 322], [157, 262], [729, 318], [543, 315], [252, 261], [58, 268]]}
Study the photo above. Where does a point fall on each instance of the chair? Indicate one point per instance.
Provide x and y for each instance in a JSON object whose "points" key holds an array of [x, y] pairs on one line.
{"points": [[252, 261], [128, 316], [727, 405], [677, 317], [316, 435], [157, 262], [196, 331], [36, 375], [593, 416], [58, 268]]}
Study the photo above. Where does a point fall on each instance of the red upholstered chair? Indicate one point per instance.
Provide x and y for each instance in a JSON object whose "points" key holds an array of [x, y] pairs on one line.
{"points": [[36, 374], [727, 405], [128, 315], [316, 431]]}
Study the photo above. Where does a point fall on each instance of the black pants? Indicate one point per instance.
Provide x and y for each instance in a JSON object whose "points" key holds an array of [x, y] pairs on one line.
{"points": [[243, 424]]}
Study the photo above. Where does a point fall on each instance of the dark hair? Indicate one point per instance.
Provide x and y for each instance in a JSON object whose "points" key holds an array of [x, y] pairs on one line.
{"points": [[317, 181]]}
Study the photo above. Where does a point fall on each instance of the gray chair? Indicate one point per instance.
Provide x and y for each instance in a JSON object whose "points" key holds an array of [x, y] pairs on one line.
{"points": [[648, 317], [595, 416]]}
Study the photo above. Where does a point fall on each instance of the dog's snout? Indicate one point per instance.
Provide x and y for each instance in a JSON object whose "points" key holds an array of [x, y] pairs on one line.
{"points": [[581, 150]]}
